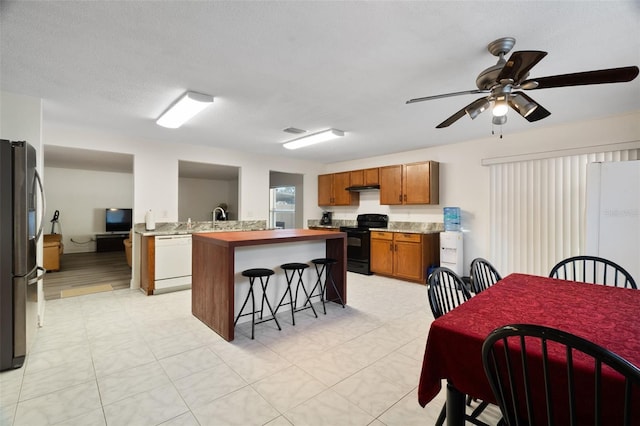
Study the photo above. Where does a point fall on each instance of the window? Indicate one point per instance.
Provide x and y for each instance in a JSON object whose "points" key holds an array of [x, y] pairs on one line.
{"points": [[282, 207]]}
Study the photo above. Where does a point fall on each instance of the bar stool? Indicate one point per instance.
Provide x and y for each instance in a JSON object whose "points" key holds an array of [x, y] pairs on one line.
{"points": [[324, 266], [253, 274], [290, 270]]}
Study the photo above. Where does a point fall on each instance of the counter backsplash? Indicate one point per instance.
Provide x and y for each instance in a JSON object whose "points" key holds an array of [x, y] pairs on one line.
{"points": [[392, 226], [335, 223], [167, 228], [416, 226], [182, 227]]}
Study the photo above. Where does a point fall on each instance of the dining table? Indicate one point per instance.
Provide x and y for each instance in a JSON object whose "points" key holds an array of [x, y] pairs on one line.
{"points": [[607, 316]]}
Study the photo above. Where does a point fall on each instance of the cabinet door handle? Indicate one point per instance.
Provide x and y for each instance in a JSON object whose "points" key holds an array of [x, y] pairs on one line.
{"points": [[396, 247], [391, 246], [405, 197], [400, 198]]}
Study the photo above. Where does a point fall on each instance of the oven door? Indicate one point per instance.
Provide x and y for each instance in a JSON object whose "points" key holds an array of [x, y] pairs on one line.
{"points": [[358, 250], [358, 244]]}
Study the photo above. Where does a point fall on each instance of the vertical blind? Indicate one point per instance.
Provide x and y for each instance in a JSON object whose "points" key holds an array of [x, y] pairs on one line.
{"points": [[537, 210]]}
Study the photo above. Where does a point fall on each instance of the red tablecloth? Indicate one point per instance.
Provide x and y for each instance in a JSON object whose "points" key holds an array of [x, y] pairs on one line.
{"points": [[607, 316]]}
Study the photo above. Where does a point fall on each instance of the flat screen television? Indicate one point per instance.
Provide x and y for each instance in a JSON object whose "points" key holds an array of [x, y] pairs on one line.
{"points": [[118, 220]]}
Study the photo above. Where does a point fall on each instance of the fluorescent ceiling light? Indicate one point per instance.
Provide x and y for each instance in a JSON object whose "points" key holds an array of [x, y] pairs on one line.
{"points": [[184, 109], [322, 136]]}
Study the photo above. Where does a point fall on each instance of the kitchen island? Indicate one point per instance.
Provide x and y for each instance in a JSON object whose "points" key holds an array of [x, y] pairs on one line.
{"points": [[218, 259]]}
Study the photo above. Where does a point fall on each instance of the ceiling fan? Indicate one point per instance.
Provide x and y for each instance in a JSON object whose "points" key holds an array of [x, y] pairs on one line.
{"points": [[505, 81]]}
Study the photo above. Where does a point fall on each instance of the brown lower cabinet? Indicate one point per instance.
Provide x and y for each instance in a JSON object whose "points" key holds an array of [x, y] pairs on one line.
{"points": [[405, 256], [148, 264]]}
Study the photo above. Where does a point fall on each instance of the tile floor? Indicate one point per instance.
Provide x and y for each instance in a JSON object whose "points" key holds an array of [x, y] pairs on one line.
{"points": [[122, 358]]}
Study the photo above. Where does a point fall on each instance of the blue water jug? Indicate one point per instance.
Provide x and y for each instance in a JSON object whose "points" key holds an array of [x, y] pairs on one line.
{"points": [[452, 218]]}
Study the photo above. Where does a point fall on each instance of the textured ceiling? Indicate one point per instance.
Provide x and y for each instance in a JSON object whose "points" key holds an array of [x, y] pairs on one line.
{"points": [[307, 64]]}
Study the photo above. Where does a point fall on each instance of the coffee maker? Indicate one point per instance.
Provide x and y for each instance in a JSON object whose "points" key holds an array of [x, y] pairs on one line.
{"points": [[326, 218]]}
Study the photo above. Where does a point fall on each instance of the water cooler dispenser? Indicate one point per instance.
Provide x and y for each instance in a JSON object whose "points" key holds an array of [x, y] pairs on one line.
{"points": [[451, 243]]}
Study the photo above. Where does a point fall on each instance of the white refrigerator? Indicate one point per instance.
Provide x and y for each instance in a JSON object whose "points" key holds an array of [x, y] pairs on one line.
{"points": [[613, 213]]}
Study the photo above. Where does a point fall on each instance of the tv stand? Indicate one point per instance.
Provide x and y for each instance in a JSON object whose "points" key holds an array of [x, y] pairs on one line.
{"points": [[110, 242]]}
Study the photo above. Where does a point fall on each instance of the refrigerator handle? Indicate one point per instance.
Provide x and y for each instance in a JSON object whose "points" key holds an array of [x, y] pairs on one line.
{"points": [[44, 205], [37, 277]]}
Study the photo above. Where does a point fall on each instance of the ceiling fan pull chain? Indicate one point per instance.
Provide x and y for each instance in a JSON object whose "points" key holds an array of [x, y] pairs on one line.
{"points": [[493, 130]]}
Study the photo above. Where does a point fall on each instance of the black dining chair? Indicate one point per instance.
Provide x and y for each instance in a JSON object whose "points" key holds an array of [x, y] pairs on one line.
{"points": [[593, 270], [446, 291], [483, 275], [531, 389]]}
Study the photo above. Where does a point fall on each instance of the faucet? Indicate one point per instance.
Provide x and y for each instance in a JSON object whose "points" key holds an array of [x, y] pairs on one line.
{"points": [[224, 215]]}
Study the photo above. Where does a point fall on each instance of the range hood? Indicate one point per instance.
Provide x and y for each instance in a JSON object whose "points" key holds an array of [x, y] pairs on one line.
{"points": [[362, 188]]}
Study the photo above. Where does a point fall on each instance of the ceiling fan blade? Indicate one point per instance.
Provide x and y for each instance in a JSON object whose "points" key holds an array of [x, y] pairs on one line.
{"points": [[446, 95], [522, 108], [538, 114], [519, 63], [611, 75], [458, 115]]}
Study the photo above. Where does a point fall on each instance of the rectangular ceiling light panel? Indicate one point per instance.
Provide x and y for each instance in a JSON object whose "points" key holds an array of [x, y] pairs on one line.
{"points": [[182, 110], [323, 136]]}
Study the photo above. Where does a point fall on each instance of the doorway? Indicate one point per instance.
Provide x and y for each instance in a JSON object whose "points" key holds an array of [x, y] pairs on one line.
{"points": [[286, 200], [282, 207], [80, 185]]}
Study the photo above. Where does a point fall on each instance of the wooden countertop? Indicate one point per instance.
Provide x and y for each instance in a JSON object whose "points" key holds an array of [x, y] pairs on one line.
{"points": [[214, 270], [252, 238]]}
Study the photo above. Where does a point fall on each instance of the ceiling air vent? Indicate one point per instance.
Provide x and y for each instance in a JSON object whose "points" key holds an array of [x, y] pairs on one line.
{"points": [[294, 130]]}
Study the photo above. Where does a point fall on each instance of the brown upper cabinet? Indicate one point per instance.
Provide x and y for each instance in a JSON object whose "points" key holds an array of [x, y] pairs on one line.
{"points": [[372, 176], [365, 177], [415, 183], [357, 177], [332, 192]]}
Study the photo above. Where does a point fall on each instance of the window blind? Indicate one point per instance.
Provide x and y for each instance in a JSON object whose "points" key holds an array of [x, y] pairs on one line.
{"points": [[537, 210]]}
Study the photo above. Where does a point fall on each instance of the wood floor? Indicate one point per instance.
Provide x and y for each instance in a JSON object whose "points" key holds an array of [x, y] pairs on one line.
{"points": [[81, 270]]}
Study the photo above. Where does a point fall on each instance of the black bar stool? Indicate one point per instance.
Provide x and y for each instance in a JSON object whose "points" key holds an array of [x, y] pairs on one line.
{"points": [[290, 270], [324, 266], [253, 274]]}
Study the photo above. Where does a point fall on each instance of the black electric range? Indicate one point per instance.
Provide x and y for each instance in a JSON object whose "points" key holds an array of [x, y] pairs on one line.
{"points": [[359, 241]]}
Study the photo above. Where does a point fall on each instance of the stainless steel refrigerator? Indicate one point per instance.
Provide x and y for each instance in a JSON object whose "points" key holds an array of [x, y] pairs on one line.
{"points": [[20, 229]]}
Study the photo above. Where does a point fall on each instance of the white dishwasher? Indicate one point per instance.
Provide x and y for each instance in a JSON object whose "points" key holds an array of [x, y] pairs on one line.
{"points": [[173, 263]]}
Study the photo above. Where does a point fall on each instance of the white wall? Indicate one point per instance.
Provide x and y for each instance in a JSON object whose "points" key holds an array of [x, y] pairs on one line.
{"points": [[82, 196], [198, 197], [464, 182], [155, 171]]}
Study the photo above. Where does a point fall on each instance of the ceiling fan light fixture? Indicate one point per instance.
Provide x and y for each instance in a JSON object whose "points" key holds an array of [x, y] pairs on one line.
{"points": [[499, 120], [184, 109], [500, 106], [474, 111], [314, 138], [523, 105]]}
